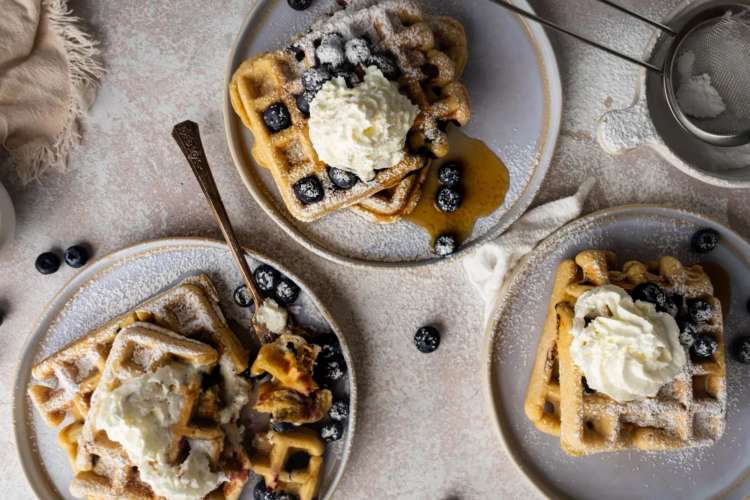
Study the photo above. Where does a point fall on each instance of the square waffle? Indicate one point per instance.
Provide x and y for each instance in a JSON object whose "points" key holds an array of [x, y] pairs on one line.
{"points": [[201, 428], [390, 205], [689, 411], [431, 53]]}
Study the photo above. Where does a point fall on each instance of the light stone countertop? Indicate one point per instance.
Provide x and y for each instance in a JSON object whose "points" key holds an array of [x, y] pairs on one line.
{"points": [[423, 431]]}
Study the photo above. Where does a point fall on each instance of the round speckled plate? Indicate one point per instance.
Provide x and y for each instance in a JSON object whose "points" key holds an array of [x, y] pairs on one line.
{"points": [[644, 233], [514, 84], [114, 285]]}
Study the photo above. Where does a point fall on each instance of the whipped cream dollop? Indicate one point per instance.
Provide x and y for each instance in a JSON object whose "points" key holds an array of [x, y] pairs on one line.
{"points": [[362, 129], [625, 349], [138, 415]]}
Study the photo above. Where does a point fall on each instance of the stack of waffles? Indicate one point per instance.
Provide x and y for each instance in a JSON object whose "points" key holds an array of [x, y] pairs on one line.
{"points": [[688, 412], [430, 53], [182, 330]]}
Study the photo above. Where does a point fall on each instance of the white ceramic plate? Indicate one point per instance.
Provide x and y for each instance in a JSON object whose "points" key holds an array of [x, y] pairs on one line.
{"points": [[640, 232], [514, 84], [107, 288]]}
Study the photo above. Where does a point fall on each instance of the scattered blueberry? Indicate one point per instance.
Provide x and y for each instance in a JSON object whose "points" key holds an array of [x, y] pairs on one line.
{"points": [[331, 50], [47, 263], [586, 388], [688, 333], [314, 78], [286, 291], [741, 349], [277, 117], [450, 174], [266, 278], [705, 240], [329, 371], [332, 431], [303, 102], [309, 190], [339, 410], [427, 339], [445, 245], [651, 293], [300, 4], [704, 346], [357, 51], [699, 311], [342, 179], [76, 256], [386, 64], [243, 297], [673, 305], [260, 492], [330, 347], [449, 199]]}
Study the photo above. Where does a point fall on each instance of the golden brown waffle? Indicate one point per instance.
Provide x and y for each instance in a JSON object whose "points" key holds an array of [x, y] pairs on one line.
{"points": [[273, 452], [390, 205], [690, 411], [103, 468], [431, 53], [65, 380]]}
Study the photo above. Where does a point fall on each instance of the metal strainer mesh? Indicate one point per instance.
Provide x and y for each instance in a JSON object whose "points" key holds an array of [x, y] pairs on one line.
{"points": [[712, 80]]}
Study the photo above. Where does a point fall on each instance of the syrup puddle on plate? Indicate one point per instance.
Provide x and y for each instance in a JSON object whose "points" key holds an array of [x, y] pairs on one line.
{"points": [[485, 183]]}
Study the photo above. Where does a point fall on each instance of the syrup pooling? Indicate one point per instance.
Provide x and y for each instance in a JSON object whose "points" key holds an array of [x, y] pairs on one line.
{"points": [[485, 184]]}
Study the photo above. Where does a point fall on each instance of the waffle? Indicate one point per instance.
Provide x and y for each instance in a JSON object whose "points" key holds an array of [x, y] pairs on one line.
{"points": [[103, 468], [431, 53], [65, 380], [689, 411], [272, 455], [390, 205]]}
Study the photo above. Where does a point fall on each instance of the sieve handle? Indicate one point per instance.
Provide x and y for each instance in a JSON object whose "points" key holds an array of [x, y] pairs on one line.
{"points": [[581, 38]]}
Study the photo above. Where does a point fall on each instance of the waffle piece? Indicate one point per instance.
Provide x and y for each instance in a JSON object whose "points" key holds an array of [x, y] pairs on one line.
{"points": [[103, 466], [390, 205], [272, 455], [431, 52], [689, 411], [65, 380], [286, 405]]}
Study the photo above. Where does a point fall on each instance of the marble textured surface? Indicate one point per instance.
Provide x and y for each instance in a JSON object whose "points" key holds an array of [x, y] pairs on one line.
{"points": [[424, 431]]}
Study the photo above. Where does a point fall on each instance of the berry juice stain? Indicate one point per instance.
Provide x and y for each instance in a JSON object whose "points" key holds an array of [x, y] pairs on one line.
{"points": [[485, 183]]}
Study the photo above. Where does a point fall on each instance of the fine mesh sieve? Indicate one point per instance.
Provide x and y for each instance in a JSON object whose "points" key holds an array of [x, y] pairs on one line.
{"points": [[706, 73]]}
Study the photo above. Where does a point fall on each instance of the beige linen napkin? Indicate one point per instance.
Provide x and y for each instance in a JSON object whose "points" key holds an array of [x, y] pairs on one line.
{"points": [[48, 70]]}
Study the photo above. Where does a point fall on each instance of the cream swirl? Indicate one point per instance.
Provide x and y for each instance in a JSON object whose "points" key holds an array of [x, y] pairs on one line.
{"points": [[362, 129], [625, 349]]}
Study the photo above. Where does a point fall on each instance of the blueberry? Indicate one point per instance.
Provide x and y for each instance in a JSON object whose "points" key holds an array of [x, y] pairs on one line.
{"points": [[386, 64], [286, 292], [651, 293], [277, 117], [339, 410], [266, 279], [309, 190], [427, 339], [699, 311], [688, 333], [449, 199], [47, 263], [347, 72], [445, 245], [314, 78], [303, 102], [450, 174], [704, 346], [76, 256], [300, 4], [357, 51], [341, 178], [329, 346], [329, 371], [260, 492], [705, 240], [242, 296], [741, 350], [331, 50], [673, 305], [332, 431]]}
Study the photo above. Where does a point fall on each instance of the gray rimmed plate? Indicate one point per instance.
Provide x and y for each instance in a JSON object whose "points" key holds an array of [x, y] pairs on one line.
{"points": [[644, 233], [514, 84], [114, 285]]}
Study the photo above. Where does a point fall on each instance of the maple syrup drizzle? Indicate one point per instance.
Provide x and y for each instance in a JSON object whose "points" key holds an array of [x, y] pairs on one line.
{"points": [[485, 183], [722, 284]]}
